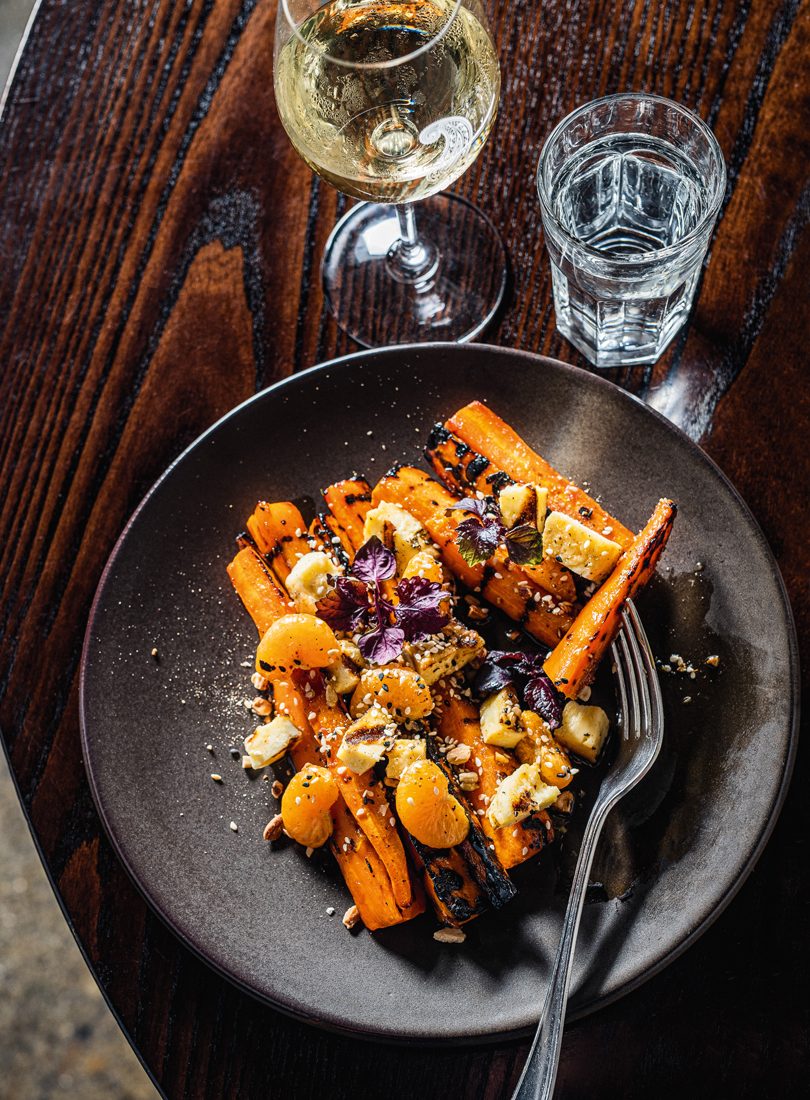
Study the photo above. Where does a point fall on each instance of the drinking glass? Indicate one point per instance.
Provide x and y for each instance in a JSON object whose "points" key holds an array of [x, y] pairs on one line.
{"points": [[630, 187], [390, 101]]}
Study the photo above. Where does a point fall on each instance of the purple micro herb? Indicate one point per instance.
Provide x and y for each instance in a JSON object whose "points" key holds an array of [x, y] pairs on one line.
{"points": [[358, 601], [480, 536], [525, 672]]}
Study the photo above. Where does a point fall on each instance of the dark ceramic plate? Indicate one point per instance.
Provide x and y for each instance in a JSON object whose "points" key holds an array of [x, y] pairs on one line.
{"points": [[673, 853]]}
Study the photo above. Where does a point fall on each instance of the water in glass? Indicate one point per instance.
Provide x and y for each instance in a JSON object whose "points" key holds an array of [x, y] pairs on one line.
{"points": [[626, 224]]}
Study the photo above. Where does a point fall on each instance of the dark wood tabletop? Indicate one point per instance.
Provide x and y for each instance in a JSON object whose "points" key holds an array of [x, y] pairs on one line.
{"points": [[160, 242]]}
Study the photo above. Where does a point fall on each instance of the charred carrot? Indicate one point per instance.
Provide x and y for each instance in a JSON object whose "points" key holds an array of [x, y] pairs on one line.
{"points": [[501, 582], [480, 428], [348, 502], [464, 471], [459, 722], [572, 665], [362, 868]]}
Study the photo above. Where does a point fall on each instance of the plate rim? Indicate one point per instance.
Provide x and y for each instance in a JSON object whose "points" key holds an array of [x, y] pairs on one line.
{"points": [[390, 1036]]}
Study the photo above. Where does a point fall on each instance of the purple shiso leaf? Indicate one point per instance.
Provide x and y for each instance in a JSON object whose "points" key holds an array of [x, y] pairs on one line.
{"points": [[540, 696], [419, 611], [477, 541], [524, 545], [381, 646], [346, 607], [477, 505], [491, 678], [373, 562]]}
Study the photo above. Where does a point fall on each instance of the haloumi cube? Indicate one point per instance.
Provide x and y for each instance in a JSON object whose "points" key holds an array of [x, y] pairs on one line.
{"points": [[583, 730], [578, 548], [443, 654], [396, 527], [308, 580], [518, 795], [366, 741], [521, 504], [500, 719], [269, 742], [404, 752]]}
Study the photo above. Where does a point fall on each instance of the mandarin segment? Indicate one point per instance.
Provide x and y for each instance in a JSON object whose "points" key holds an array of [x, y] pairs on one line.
{"points": [[306, 803], [427, 809], [296, 641]]}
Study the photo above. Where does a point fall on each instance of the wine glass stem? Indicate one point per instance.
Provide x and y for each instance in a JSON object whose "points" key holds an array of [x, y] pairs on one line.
{"points": [[411, 259]]}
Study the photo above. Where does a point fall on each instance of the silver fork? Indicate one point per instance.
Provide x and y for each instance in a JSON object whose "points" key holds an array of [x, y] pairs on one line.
{"points": [[642, 731]]}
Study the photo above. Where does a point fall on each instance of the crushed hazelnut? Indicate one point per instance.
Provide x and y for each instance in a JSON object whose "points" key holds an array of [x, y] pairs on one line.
{"points": [[449, 935], [351, 917], [459, 754], [273, 828]]}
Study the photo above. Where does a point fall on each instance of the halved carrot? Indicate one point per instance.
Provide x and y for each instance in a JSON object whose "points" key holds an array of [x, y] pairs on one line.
{"points": [[483, 430], [459, 721], [363, 870], [349, 501], [572, 665], [462, 881], [281, 528], [464, 471], [501, 582]]}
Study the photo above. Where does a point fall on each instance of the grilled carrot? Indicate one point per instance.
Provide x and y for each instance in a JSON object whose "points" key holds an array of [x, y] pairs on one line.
{"points": [[481, 429], [362, 868], [281, 528], [459, 721], [572, 665], [501, 582], [464, 471], [348, 502]]}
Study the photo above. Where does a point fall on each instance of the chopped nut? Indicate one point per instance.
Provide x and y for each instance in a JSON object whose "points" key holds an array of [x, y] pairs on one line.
{"points": [[564, 803], [277, 790], [234, 827], [247, 763], [155, 652], [459, 754], [261, 706], [330, 910], [216, 777], [714, 660], [501, 758], [210, 748], [351, 917], [584, 694], [478, 614], [259, 681], [450, 935], [468, 781], [273, 828]]}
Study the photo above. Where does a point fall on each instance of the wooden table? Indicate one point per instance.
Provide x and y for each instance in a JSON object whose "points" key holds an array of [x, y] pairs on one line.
{"points": [[160, 250]]}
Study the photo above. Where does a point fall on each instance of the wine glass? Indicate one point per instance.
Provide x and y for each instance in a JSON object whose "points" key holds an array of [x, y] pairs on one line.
{"points": [[390, 101]]}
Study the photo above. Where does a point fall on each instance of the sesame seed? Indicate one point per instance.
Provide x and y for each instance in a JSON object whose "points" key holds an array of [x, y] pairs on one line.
{"points": [[234, 827]]}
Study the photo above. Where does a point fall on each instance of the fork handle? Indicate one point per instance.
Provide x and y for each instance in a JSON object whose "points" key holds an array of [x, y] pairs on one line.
{"points": [[540, 1072]]}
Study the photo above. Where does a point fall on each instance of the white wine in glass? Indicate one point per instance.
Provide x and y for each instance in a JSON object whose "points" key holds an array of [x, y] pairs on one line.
{"points": [[390, 102]]}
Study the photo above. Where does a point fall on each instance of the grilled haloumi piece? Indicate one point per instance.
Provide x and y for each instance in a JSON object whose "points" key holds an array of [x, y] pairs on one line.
{"points": [[399, 530], [521, 504], [518, 795], [583, 730], [308, 580], [404, 752], [270, 741], [500, 719], [445, 653], [367, 740], [578, 548]]}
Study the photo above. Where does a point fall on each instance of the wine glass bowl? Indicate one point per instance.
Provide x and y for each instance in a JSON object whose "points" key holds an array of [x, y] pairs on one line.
{"points": [[391, 101]]}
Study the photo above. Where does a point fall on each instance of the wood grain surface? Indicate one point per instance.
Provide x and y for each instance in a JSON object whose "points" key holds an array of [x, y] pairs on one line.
{"points": [[160, 243]]}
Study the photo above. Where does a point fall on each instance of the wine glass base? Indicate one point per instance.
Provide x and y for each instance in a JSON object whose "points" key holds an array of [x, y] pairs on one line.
{"points": [[453, 300]]}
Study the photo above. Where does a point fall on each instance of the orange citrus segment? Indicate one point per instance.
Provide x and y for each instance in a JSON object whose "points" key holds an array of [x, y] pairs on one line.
{"points": [[427, 809], [305, 806]]}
